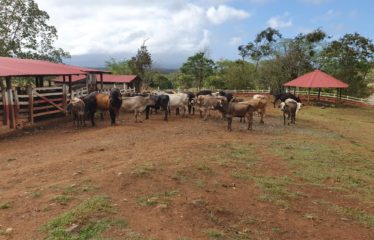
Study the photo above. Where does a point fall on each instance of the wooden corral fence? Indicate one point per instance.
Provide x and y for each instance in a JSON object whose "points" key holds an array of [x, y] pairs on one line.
{"points": [[31, 104], [313, 96]]}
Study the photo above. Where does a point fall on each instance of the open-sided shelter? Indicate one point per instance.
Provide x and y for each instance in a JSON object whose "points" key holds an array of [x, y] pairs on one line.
{"points": [[11, 68], [317, 79]]}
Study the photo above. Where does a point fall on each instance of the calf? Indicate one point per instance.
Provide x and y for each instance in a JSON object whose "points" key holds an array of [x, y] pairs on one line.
{"points": [[233, 109], [76, 108], [289, 108], [137, 104]]}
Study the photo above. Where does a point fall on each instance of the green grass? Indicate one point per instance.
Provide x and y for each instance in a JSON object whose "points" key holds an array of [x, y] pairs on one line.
{"points": [[330, 165], [214, 234], [62, 199], [5, 205], [232, 154], [157, 199], [274, 189], [143, 170], [355, 214], [91, 216]]}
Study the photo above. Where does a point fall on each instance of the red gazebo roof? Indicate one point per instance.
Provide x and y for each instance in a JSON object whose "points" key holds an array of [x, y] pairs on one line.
{"points": [[316, 79], [107, 78], [16, 67]]}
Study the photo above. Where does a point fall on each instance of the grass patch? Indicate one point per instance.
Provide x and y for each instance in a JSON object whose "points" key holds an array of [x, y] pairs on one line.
{"points": [[214, 233], [36, 194], [90, 217], [341, 166], [143, 170], [232, 154], [274, 189], [5, 205], [157, 199], [62, 199], [355, 214]]}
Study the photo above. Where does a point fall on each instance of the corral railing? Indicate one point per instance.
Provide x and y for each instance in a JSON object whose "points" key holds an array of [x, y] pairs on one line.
{"points": [[324, 96]]}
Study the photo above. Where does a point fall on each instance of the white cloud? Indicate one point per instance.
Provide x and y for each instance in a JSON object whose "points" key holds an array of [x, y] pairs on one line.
{"points": [[112, 26], [236, 41], [222, 13], [280, 21]]}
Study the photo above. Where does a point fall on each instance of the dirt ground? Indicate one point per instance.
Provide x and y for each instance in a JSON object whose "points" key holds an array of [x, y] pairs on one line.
{"points": [[181, 179]]}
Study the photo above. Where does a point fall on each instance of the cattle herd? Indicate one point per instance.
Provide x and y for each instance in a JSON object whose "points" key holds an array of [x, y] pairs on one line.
{"points": [[184, 103]]}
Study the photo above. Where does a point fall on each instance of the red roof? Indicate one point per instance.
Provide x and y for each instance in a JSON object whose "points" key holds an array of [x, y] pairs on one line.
{"points": [[15, 67], [107, 78], [316, 79]]}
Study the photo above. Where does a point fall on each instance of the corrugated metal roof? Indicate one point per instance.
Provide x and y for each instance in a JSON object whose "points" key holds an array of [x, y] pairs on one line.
{"points": [[15, 67], [107, 78], [316, 79]]}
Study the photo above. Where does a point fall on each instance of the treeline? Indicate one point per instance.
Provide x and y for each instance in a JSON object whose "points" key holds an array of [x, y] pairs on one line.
{"points": [[269, 60]]}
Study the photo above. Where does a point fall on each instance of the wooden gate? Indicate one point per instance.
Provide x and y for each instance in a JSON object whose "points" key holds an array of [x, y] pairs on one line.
{"points": [[46, 101]]}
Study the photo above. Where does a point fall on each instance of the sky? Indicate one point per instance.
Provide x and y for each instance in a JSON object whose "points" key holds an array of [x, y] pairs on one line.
{"points": [[94, 31]]}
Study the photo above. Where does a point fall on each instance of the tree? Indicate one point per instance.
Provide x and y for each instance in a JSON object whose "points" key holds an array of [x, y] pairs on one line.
{"points": [[350, 59], [236, 74], [141, 63], [198, 66], [121, 67], [262, 46], [24, 32]]}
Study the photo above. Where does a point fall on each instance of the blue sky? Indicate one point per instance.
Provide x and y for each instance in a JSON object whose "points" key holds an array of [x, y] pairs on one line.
{"points": [[95, 30]]}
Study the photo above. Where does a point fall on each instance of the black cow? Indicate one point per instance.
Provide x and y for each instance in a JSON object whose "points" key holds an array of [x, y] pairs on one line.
{"points": [[161, 101], [229, 96], [204, 92], [191, 108], [104, 102], [283, 96]]}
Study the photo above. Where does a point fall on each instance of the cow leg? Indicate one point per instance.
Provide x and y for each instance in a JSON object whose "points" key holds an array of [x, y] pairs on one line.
{"points": [[229, 121], [147, 109], [262, 117], [177, 111], [101, 116], [185, 107], [201, 113], [92, 115], [284, 118], [250, 120], [205, 114], [112, 117]]}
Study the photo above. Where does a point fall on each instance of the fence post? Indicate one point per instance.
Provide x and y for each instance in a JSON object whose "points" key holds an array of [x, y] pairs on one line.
{"points": [[12, 118], [31, 104], [16, 104], [3, 95], [64, 97]]}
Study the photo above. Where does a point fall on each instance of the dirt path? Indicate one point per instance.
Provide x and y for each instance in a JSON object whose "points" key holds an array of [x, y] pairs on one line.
{"points": [[186, 166]]}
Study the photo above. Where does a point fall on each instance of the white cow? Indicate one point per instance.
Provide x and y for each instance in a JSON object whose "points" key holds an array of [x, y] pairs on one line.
{"points": [[137, 104], [178, 100]]}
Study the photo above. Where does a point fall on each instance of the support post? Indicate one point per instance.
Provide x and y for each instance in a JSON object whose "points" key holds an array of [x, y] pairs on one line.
{"points": [[31, 104], [16, 105], [5, 105], [101, 81], [319, 93], [70, 88], [64, 98], [308, 94], [12, 117]]}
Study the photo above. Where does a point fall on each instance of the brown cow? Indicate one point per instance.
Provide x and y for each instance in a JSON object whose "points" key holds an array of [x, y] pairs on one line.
{"points": [[259, 106], [205, 103], [233, 109]]}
